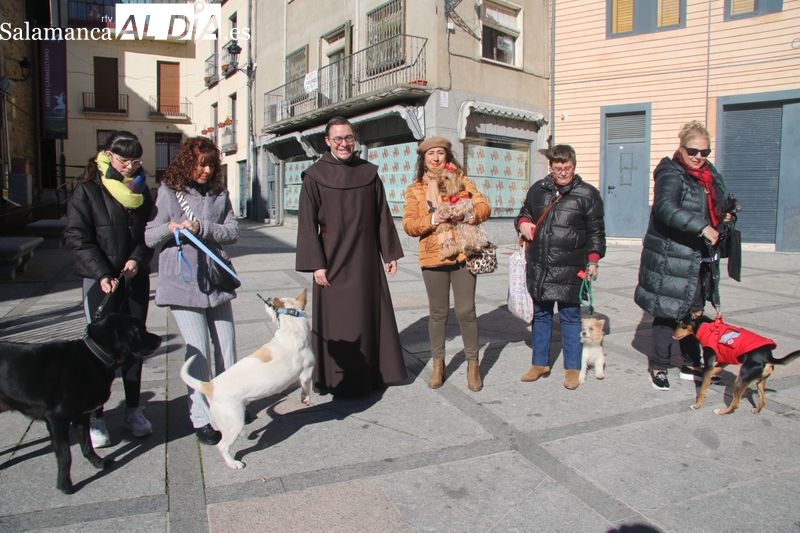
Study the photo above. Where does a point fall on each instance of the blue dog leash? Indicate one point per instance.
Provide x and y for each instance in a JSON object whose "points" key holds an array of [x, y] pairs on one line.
{"points": [[200, 245]]}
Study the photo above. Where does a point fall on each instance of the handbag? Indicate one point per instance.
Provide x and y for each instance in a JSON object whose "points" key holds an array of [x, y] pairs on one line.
{"points": [[519, 301], [219, 277], [483, 261]]}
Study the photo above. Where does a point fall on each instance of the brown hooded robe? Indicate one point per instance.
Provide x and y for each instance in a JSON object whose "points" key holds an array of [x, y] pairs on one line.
{"points": [[345, 226]]}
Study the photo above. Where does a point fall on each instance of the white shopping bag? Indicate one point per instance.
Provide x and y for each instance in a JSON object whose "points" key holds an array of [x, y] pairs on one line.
{"points": [[520, 302]]}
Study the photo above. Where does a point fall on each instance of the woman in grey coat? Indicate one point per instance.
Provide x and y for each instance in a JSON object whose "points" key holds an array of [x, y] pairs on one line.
{"points": [[679, 263], [203, 312]]}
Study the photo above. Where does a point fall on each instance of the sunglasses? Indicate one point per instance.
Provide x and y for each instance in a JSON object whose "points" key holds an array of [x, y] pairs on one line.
{"points": [[694, 151]]}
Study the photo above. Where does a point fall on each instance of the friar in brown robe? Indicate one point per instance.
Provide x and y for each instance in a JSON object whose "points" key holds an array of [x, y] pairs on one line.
{"points": [[345, 226]]}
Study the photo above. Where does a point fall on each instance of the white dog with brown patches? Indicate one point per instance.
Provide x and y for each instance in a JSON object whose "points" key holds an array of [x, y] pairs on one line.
{"points": [[593, 354], [269, 370]]}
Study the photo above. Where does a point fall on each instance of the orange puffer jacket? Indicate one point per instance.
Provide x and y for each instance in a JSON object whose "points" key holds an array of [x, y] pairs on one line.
{"points": [[417, 222]]}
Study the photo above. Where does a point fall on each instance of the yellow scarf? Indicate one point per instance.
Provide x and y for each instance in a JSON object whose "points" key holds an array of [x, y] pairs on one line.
{"points": [[118, 189]]}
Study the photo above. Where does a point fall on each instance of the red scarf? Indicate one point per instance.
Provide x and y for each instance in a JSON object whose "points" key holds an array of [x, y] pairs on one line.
{"points": [[703, 177]]}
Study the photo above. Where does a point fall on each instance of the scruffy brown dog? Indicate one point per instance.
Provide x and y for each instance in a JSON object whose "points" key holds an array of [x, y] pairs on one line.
{"points": [[455, 234]]}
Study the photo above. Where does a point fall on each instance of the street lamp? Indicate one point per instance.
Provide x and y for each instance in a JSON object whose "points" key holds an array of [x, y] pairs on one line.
{"points": [[234, 50]]}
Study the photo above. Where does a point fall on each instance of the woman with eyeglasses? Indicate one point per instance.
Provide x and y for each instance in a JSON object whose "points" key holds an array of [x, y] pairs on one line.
{"points": [[562, 221], [679, 262], [106, 217], [347, 239]]}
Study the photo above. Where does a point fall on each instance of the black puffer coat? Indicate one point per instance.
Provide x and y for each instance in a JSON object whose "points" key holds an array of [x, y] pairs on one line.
{"points": [[670, 264], [572, 229], [104, 234]]}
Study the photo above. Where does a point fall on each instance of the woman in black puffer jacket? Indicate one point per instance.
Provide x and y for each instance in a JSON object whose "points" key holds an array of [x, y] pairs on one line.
{"points": [[562, 218], [106, 216], [676, 271]]}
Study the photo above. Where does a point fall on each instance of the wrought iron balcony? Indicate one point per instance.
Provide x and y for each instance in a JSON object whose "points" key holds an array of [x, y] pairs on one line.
{"points": [[226, 60], [170, 109], [105, 103], [397, 62], [227, 138], [211, 70]]}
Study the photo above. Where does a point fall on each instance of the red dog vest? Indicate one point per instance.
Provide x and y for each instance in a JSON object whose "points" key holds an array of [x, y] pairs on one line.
{"points": [[730, 342]]}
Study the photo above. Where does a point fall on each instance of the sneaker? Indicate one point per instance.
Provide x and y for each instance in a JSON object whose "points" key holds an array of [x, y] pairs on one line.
{"points": [[249, 417], [208, 435], [660, 381], [138, 424], [695, 374], [99, 433]]}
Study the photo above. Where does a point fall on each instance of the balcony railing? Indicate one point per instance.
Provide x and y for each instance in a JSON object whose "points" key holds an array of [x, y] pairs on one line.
{"points": [[397, 61], [105, 103], [227, 138], [181, 110], [211, 70], [226, 60]]}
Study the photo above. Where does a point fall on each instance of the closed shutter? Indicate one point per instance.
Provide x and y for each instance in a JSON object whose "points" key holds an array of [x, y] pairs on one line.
{"points": [[669, 13], [169, 88], [750, 164], [622, 16], [742, 7], [106, 84]]}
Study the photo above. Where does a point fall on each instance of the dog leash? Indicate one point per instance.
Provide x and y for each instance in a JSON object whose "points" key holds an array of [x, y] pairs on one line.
{"points": [[585, 293], [200, 245], [98, 313]]}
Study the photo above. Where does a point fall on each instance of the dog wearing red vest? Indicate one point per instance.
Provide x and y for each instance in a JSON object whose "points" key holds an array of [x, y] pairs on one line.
{"points": [[718, 345]]}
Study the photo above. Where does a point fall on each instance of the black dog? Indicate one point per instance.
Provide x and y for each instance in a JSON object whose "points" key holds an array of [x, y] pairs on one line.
{"points": [[720, 344], [61, 382]]}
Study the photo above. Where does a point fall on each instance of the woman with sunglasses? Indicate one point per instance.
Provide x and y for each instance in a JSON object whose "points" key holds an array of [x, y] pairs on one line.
{"points": [[106, 217], [679, 262]]}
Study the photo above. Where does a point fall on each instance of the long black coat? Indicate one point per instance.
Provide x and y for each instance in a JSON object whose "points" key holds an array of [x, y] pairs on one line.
{"points": [[670, 263], [344, 225], [572, 229]]}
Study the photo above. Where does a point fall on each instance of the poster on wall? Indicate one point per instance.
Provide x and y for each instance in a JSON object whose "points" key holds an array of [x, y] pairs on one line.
{"points": [[53, 74]]}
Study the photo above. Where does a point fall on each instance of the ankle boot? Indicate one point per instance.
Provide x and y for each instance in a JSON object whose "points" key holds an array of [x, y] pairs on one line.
{"points": [[571, 379], [474, 382], [437, 374], [535, 372]]}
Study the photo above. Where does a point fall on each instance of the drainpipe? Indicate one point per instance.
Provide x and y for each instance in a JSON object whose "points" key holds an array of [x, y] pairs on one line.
{"points": [[553, 71]]}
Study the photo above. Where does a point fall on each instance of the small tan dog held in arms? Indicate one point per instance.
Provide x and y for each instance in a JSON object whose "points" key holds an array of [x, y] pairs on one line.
{"points": [[285, 359], [593, 353]]}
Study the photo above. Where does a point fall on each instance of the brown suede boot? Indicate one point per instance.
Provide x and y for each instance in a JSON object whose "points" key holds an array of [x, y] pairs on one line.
{"points": [[571, 379], [535, 372], [474, 382], [437, 374]]}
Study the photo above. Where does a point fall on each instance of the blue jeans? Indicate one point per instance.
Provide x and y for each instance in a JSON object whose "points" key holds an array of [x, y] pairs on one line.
{"points": [[570, 317]]}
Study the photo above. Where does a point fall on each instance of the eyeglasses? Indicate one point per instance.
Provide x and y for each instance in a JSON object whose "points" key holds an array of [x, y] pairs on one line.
{"points": [[694, 151], [350, 139], [563, 170], [126, 162]]}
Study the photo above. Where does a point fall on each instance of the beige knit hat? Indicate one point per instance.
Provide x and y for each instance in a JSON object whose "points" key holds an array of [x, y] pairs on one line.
{"points": [[434, 142]]}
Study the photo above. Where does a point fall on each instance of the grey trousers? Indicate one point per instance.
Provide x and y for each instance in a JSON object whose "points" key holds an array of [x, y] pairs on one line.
{"points": [[438, 281], [206, 332]]}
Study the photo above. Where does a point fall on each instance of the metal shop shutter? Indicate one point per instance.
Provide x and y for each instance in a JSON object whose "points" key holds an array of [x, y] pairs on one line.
{"points": [[750, 164]]}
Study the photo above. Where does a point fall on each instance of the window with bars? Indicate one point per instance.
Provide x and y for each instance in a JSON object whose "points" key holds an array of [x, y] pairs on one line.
{"points": [[385, 29], [501, 29], [632, 17], [296, 68], [735, 9]]}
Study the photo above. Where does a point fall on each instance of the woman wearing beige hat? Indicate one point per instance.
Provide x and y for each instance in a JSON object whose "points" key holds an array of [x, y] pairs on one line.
{"points": [[439, 180]]}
